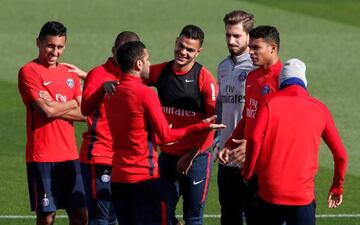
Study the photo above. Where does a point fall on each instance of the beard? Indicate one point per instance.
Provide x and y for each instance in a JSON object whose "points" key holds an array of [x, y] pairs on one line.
{"points": [[237, 51]]}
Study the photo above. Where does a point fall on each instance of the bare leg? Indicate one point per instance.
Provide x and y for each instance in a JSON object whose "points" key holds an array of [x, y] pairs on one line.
{"points": [[45, 218], [78, 216]]}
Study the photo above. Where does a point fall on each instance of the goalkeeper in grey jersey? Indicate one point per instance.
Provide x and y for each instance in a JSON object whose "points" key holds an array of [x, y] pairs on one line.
{"points": [[232, 74]]}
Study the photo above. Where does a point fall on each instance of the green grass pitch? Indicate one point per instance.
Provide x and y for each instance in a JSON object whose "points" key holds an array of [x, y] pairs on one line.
{"points": [[323, 33]]}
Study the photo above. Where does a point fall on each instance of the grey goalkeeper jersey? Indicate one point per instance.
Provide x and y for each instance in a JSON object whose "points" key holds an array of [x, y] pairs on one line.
{"points": [[231, 99]]}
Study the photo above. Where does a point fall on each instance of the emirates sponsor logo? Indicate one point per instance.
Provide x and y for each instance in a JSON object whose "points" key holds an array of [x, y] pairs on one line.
{"points": [[233, 99], [178, 112]]}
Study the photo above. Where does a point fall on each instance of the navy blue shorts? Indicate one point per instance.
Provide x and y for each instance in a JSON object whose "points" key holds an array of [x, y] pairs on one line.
{"points": [[139, 203], [273, 214], [97, 180], [193, 187], [236, 199], [55, 185]]}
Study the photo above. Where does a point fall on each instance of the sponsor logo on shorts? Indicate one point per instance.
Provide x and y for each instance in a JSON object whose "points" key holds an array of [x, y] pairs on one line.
{"points": [[45, 201], [105, 178], [197, 182]]}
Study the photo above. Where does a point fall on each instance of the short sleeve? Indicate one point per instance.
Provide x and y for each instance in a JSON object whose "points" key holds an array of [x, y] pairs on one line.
{"points": [[29, 83]]}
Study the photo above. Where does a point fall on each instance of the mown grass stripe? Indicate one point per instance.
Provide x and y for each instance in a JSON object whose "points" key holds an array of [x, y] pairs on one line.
{"points": [[179, 216]]}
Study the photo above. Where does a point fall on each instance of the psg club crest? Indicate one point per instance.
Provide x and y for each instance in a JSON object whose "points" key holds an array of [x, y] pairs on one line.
{"points": [[265, 90], [45, 201], [70, 83], [242, 76], [105, 178]]}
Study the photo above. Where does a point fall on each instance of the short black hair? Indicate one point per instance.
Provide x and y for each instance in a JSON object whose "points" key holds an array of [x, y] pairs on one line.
{"points": [[128, 54], [193, 32], [52, 28], [124, 37], [268, 33]]}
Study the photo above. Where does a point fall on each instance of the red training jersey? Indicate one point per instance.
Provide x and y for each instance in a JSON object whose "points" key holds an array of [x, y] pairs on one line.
{"points": [[96, 147], [180, 117], [284, 146], [259, 83], [48, 139], [135, 117]]}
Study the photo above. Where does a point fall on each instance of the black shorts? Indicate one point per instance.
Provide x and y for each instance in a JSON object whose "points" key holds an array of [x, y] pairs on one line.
{"points": [[139, 203], [55, 185]]}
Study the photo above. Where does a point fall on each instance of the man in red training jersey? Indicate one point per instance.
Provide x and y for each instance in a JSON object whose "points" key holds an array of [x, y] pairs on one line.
{"points": [[135, 117], [96, 149], [52, 97], [283, 151], [264, 46]]}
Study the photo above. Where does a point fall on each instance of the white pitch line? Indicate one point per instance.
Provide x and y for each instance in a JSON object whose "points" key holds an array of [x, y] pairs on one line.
{"points": [[205, 216]]}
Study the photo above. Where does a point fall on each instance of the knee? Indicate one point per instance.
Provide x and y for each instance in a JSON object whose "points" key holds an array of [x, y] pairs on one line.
{"points": [[45, 218], [79, 218]]}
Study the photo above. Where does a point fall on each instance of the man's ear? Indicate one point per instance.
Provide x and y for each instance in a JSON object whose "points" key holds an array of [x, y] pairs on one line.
{"points": [[274, 48], [138, 65], [198, 52], [38, 42]]}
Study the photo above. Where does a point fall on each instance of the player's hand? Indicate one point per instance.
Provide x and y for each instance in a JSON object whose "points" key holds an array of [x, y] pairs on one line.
{"points": [[185, 162], [74, 69], [223, 155], [213, 125], [237, 155], [110, 86], [45, 95], [334, 200]]}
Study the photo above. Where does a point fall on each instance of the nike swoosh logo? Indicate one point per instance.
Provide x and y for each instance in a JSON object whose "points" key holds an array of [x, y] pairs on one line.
{"points": [[188, 81], [197, 182], [46, 83], [249, 86]]}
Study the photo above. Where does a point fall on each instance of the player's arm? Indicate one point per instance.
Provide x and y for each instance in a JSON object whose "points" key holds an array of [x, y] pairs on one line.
{"points": [[93, 92], [253, 145], [53, 109], [209, 91], [31, 88], [332, 138], [75, 114], [160, 125]]}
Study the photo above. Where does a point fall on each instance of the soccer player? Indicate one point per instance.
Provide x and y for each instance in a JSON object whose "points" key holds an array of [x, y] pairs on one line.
{"points": [[232, 74], [187, 92], [283, 151], [52, 97], [135, 117], [264, 45], [96, 149]]}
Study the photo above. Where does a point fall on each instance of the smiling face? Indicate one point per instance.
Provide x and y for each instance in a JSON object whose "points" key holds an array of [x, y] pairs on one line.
{"points": [[50, 49], [186, 51], [237, 39]]}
